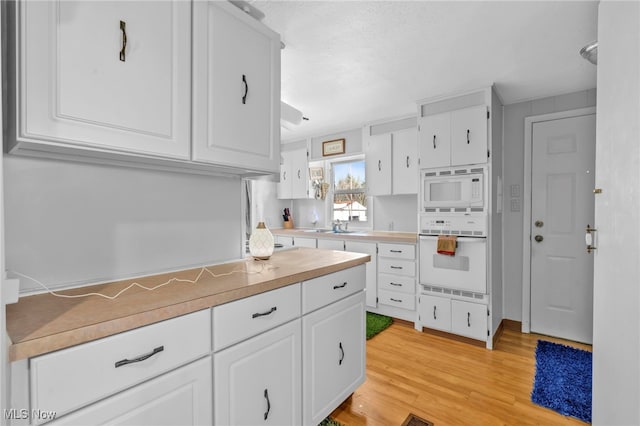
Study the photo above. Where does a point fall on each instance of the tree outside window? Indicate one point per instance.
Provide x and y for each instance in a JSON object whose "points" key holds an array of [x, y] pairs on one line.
{"points": [[349, 197]]}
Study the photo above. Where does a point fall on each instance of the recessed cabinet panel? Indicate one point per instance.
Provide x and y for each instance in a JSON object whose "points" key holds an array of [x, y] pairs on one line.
{"points": [[405, 162], [435, 140], [435, 312], [469, 136], [378, 164], [106, 75], [258, 381], [236, 69], [469, 319]]}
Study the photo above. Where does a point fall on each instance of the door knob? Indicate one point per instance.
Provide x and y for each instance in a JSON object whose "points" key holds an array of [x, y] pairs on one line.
{"points": [[538, 238], [539, 223]]}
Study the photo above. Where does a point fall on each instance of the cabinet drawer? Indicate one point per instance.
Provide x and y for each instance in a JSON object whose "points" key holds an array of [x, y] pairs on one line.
{"points": [[304, 242], [239, 320], [397, 283], [326, 289], [469, 319], [435, 312], [65, 380], [397, 267], [398, 251], [331, 244], [400, 300]]}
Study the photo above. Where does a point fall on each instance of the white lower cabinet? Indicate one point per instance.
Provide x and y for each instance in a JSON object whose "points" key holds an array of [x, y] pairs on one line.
{"points": [[371, 282], [180, 397], [456, 316], [397, 280], [304, 242], [333, 356], [258, 381], [331, 244]]}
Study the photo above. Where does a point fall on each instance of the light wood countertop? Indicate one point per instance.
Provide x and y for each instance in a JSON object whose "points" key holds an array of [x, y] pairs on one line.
{"points": [[43, 323], [381, 236]]}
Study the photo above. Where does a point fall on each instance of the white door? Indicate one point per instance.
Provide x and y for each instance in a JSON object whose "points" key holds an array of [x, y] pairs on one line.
{"points": [[562, 205], [469, 136], [378, 165], [434, 140], [405, 162]]}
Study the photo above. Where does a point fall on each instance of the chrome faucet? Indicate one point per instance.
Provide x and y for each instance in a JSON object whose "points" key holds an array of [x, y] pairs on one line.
{"points": [[337, 226]]}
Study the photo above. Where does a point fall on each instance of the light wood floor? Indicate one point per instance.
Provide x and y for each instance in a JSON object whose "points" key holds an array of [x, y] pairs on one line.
{"points": [[448, 382]]}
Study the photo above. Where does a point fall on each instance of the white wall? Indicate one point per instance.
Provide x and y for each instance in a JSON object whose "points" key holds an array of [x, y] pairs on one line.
{"points": [[513, 157], [71, 223], [616, 330]]}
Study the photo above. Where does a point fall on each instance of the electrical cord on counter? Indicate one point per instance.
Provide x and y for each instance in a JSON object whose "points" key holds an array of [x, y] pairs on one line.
{"points": [[136, 284]]}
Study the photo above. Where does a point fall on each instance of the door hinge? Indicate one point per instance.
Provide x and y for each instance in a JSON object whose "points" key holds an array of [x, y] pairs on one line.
{"points": [[376, 300], [488, 333], [488, 154], [488, 115], [377, 250], [488, 312]]}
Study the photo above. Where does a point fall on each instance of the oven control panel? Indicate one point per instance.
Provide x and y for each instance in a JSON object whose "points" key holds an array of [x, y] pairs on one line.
{"points": [[456, 224]]}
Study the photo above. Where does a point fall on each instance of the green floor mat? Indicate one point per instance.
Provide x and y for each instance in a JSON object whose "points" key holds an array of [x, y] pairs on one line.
{"points": [[376, 323], [329, 422]]}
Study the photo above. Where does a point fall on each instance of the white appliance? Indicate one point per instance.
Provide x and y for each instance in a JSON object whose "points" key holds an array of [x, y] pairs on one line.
{"points": [[453, 189], [466, 271]]}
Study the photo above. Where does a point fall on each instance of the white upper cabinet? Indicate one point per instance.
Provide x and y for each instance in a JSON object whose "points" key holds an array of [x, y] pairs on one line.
{"points": [[294, 175], [378, 163], [405, 162], [453, 138], [391, 161], [112, 76], [236, 89]]}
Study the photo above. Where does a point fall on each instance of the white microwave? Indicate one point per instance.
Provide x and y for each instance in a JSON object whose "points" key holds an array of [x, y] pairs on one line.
{"points": [[453, 191]]}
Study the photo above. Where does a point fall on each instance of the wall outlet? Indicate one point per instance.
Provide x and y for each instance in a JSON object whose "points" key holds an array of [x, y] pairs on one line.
{"points": [[515, 205]]}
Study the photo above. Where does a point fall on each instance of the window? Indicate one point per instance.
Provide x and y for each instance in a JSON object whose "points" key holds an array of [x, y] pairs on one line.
{"points": [[349, 197]]}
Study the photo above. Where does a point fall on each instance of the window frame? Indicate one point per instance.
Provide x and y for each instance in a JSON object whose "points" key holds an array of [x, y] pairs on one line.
{"points": [[368, 224]]}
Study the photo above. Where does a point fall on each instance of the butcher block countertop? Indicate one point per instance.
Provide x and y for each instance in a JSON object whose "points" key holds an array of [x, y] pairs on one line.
{"points": [[381, 236], [43, 323]]}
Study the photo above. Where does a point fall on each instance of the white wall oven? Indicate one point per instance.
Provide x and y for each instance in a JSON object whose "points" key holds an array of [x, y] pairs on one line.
{"points": [[453, 205]]}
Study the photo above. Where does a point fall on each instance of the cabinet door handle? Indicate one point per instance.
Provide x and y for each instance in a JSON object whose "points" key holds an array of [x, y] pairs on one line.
{"points": [[262, 314], [396, 284], [395, 251], [468, 319], [396, 300], [266, 396], [284, 175], [395, 267], [467, 136], [123, 28], [407, 161], [298, 173], [246, 89], [341, 353], [379, 165], [434, 312], [140, 358], [434, 141], [343, 285]]}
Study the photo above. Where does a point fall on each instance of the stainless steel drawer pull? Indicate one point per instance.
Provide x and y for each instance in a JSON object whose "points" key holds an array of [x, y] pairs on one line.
{"points": [[396, 267], [140, 358], [396, 300], [343, 285], [396, 284], [262, 314], [341, 353], [395, 251]]}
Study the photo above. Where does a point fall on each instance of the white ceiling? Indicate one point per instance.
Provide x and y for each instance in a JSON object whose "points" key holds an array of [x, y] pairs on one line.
{"points": [[351, 62]]}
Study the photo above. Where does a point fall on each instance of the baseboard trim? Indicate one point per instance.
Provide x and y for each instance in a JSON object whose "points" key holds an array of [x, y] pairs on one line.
{"points": [[512, 324], [456, 337]]}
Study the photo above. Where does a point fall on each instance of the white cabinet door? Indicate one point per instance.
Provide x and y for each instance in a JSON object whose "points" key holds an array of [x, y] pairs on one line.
{"points": [[435, 312], [106, 75], [405, 162], [333, 356], [469, 319], [258, 381], [469, 136], [434, 140], [371, 268], [294, 175], [236, 88], [378, 163], [180, 397], [331, 244]]}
